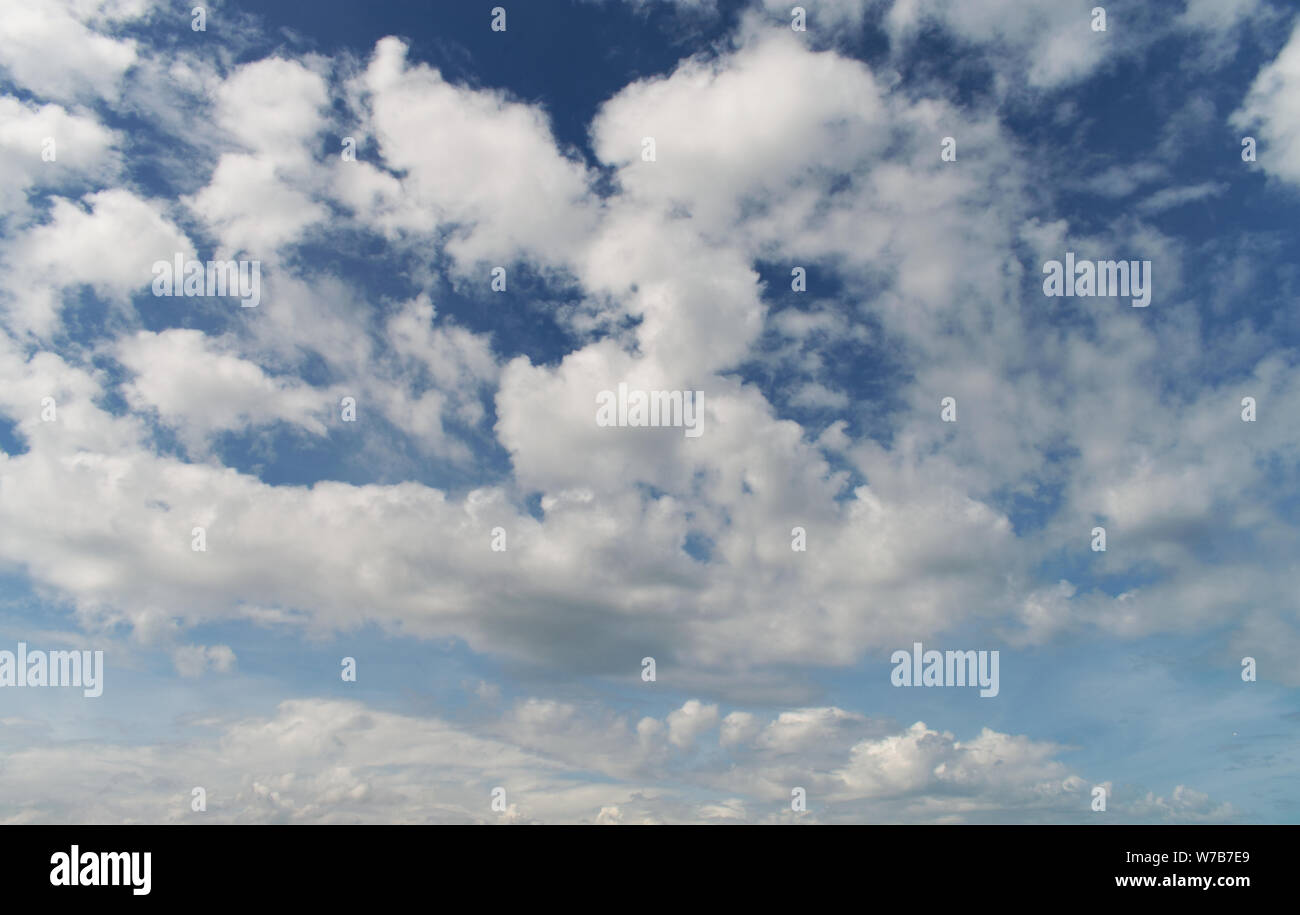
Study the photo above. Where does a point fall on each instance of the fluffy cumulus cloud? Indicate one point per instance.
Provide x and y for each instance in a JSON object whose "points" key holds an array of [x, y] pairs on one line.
{"points": [[1272, 107], [477, 166], [335, 761], [389, 441], [65, 49], [30, 136]]}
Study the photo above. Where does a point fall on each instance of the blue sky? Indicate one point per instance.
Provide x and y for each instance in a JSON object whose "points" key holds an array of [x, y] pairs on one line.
{"points": [[521, 668]]}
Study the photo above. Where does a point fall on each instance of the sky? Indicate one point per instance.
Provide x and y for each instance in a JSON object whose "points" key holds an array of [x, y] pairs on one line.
{"points": [[363, 550]]}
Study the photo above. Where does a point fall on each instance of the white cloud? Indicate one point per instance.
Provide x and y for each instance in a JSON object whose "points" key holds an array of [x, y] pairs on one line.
{"points": [[196, 382], [1052, 43], [1170, 197], [331, 761], [110, 243], [1272, 106], [252, 209], [82, 149], [921, 536], [195, 660], [88, 63], [474, 163], [690, 721], [273, 106]]}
